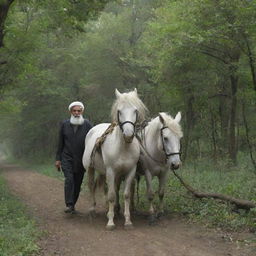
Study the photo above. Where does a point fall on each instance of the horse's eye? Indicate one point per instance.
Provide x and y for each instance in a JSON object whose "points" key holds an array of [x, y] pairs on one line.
{"points": [[165, 139]]}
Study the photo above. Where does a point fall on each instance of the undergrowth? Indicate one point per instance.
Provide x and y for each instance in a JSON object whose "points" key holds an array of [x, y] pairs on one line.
{"points": [[18, 233], [205, 176]]}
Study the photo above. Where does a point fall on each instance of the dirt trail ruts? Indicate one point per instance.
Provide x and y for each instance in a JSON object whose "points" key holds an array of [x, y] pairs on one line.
{"points": [[78, 235]]}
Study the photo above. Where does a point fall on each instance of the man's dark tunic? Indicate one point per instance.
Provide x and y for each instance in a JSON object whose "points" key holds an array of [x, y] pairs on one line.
{"points": [[70, 152], [71, 144]]}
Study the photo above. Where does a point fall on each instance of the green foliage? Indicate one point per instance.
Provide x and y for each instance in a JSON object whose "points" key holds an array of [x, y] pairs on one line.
{"points": [[18, 233], [210, 177], [181, 55]]}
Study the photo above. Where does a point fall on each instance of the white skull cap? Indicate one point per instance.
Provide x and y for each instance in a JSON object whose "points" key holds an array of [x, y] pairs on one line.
{"points": [[76, 103]]}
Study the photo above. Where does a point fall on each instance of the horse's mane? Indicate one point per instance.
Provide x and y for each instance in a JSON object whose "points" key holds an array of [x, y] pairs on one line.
{"points": [[132, 99], [170, 122]]}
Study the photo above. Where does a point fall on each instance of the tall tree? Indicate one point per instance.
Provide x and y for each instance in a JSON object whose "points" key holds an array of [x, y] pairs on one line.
{"points": [[4, 9]]}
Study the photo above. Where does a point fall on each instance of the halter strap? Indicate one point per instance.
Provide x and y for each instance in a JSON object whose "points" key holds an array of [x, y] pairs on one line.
{"points": [[126, 122], [167, 154], [142, 140]]}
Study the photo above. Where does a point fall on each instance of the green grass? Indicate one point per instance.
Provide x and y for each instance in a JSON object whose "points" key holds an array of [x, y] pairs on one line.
{"points": [[45, 167], [205, 176], [208, 177], [18, 233]]}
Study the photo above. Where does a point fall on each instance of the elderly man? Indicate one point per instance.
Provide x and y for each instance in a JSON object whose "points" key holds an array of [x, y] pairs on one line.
{"points": [[70, 152]]}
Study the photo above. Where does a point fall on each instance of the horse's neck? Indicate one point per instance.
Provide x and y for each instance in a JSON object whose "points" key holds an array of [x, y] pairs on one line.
{"points": [[152, 137]]}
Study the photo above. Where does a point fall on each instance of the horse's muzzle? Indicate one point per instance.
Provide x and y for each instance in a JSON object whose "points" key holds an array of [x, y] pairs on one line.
{"points": [[128, 139], [175, 166]]}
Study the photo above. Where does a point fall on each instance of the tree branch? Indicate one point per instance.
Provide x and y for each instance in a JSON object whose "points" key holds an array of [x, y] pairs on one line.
{"points": [[239, 203], [214, 56]]}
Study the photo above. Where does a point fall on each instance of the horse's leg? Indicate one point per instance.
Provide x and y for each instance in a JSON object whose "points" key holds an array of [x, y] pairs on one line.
{"points": [[132, 196], [150, 195], [117, 203], [127, 194], [111, 198], [162, 182], [91, 186], [106, 195]]}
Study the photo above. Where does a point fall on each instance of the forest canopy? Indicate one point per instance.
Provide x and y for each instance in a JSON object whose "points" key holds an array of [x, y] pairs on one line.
{"points": [[193, 56]]}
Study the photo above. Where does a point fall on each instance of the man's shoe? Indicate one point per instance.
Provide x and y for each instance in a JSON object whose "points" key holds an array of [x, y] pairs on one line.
{"points": [[70, 209]]}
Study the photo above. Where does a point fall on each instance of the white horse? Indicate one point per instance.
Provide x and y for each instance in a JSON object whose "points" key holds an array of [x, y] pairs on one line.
{"points": [[119, 153], [161, 151]]}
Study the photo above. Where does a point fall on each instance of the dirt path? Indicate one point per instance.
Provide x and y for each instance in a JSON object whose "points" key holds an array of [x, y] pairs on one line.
{"points": [[78, 235]]}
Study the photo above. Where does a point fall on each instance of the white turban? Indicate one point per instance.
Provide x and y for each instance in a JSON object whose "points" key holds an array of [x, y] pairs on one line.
{"points": [[76, 103]]}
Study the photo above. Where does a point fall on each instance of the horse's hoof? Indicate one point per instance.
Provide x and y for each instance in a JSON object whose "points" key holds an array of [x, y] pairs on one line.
{"points": [[110, 227], [128, 226], [152, 220]]}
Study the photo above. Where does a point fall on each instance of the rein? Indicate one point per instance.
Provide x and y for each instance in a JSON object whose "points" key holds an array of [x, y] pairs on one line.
{"points": [[144, 147]]}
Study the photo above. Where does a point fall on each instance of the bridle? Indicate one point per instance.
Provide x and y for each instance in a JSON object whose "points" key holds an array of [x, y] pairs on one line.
{"points": [[121, 124], [167, 154]]}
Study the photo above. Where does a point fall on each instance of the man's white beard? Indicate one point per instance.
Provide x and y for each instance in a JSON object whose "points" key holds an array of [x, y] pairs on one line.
{"points": [[79, 120]]}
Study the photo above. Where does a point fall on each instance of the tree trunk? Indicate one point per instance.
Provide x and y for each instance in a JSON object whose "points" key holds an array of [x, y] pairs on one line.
{"points": [[190, 120], [251, 63], [224, 118], [232, 124], [213, 135], [4, 8], [239, 203], [247, 136]]}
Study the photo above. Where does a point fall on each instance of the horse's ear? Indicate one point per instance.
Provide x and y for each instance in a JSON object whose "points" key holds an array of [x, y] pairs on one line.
{"points": [[134, 92], [178, 117], [118, 94], [161, 119]]}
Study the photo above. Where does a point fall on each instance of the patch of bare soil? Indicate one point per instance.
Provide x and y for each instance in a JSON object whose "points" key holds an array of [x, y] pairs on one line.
{"points": [[79, 235]]}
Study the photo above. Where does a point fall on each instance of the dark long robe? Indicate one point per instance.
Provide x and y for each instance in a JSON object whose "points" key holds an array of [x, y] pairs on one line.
{"points": [[72, 144]]}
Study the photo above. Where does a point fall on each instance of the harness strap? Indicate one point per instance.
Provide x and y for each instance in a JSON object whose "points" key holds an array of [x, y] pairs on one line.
{"points": [[144, 147], [126, 122], [145, 150], [170, 154]]}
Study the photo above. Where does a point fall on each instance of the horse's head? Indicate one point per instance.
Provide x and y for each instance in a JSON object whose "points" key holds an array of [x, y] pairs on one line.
{"points": [[170, 135], [127, 110]]}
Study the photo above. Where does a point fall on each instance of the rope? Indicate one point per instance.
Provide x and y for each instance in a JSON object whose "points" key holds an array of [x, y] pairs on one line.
{"points": [[99, 141]]}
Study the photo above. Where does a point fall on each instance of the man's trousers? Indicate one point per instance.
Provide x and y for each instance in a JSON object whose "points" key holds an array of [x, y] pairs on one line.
{"points": [[73, 182]]}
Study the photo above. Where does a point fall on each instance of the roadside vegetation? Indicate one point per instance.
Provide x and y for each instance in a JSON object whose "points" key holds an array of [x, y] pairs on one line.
{"points": [[238, 182], [18, 232], [193, 56], [205, 176]]}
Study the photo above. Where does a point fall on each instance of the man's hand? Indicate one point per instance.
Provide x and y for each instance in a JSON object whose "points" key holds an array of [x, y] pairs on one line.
{"points": [[58, 165]]}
